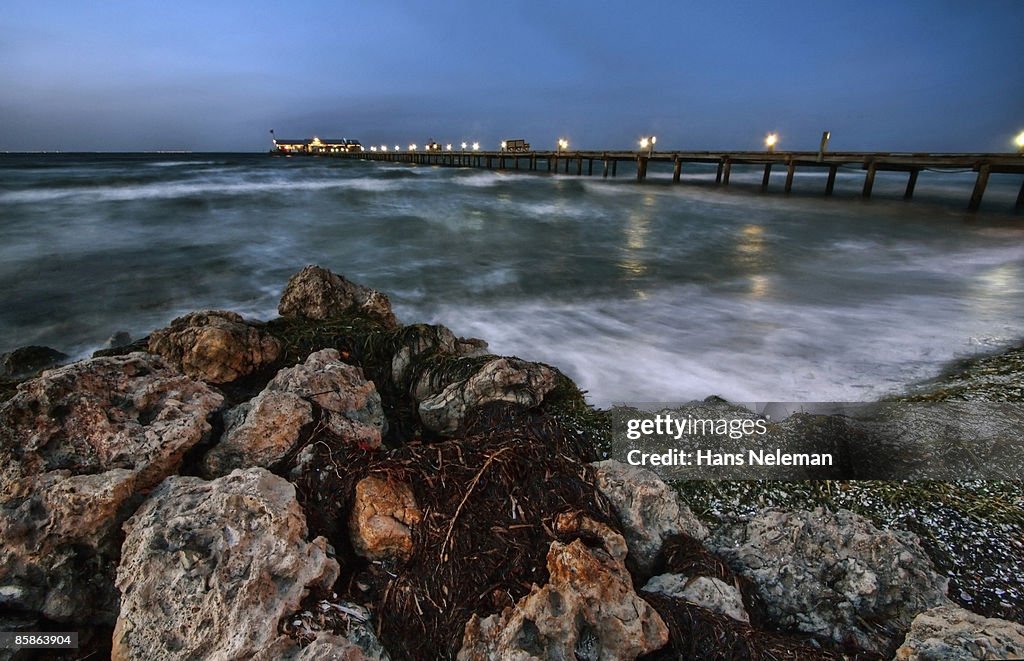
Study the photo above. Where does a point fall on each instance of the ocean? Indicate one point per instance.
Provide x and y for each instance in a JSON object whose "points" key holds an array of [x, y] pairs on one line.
{"points": [[641, 293]]}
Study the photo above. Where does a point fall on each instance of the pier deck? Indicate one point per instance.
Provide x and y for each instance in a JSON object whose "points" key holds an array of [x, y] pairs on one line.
{"points": [[580, 162]]}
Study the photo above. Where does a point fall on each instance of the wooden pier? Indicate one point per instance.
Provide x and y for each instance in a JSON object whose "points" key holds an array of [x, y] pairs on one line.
{"points": [[580, 162]]}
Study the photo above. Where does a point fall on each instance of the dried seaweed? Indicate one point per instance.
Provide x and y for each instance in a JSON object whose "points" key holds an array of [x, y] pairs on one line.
{"points": [[698, 634], [488, 499]]}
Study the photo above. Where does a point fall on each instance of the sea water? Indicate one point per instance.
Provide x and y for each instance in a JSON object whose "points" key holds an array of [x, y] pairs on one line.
{"points": [[652, 292]]}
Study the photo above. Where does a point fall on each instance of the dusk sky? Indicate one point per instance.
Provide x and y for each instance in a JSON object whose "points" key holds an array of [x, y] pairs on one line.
{"points": [[210, 76]]}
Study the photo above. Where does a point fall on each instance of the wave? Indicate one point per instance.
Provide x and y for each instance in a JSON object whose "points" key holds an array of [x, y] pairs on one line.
{"points": [[165, 190]]}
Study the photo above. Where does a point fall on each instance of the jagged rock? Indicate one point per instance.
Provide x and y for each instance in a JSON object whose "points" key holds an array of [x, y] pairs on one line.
{"points": [[76, 446], [835, 574], [949, 633], [704, 591], [588, 609], [648, 509], [215, 346], [423, 339], [382, 518], [317, 293], [208, 569], [262, 431], [443, 405], [26, 362]]}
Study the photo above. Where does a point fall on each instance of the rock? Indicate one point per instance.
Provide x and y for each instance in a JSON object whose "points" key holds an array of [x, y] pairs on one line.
{"points": [[949, 633], [588, 610], [264, 430], [324, 623], [26, 362], [76, 446], [215, 346], [648, 509], [209, 569], [325, 647], [423, 339], [119, 339], [443, 405], [382, 518], [834, 574], [704, 591], [317, 293]]}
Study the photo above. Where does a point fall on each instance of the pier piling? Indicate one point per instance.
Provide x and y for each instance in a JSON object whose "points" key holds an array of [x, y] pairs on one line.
{"points": [[556, 162]]}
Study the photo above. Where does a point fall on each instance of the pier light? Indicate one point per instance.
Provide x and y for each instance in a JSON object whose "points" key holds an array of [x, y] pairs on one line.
{"points": [[643, 143], [397, 147], [1020, 142], [770, 141], [448, 147], [476, 146], [563, 144], [412, 147], [383, 147], [503, 145], [373, 147], [463, 146]]}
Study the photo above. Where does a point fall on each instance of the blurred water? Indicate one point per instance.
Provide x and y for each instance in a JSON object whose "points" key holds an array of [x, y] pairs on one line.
{"points": [[641, 293]]}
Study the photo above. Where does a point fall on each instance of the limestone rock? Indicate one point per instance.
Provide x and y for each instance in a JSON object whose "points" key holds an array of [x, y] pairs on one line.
{"points": [[76, 446], [443, 406], [215, 346], [835, 574], [949, 633], [648, 509], [262, 431], [208, 569], [588, 610], [382, 519], [704, 591], [317, 293]]}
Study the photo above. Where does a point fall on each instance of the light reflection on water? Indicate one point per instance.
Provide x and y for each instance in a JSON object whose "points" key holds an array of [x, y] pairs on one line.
{"points": [[653, 292]]}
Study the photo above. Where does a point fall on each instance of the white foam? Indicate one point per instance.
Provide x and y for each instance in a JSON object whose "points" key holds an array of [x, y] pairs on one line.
{"points": [[681, 344]]}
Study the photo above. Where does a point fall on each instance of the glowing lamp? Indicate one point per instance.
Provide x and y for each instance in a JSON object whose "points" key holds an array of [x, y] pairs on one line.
{"points": [[1020, 142], [476, 146], [770, 140]]}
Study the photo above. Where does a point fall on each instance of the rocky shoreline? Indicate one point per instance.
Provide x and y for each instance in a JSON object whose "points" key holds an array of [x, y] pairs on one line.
{"points": [[334, 484]]}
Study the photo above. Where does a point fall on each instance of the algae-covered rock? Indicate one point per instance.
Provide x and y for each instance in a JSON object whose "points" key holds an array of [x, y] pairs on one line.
{"points": [[443, 404], [28, 361], [834, 575]]}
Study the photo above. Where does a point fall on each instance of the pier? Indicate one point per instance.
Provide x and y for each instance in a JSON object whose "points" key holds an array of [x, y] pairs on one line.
{"points": [[583, 163]]}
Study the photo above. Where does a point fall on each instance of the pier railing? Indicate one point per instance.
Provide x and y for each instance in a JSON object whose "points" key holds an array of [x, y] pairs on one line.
{"points": [[578, 162]]}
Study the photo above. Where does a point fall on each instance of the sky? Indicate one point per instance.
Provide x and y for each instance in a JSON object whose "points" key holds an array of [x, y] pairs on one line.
{"points": [[891, 75]]}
